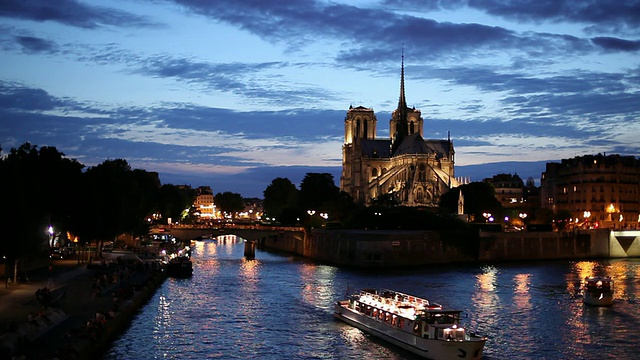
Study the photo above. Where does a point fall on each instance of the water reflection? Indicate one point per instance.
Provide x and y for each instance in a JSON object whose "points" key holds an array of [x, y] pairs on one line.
{"points": [[318, 289], [279, 307]]}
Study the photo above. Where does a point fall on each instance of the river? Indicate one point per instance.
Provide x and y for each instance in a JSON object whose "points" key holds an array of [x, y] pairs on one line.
{"points": [[280, 307]]}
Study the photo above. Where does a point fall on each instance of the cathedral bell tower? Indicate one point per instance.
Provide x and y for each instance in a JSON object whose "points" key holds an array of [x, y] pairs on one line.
{"points": [[360, 123]]}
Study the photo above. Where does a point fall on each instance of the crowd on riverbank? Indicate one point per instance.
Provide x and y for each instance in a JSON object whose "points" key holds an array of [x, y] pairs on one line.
{"points": [[76, 311]]}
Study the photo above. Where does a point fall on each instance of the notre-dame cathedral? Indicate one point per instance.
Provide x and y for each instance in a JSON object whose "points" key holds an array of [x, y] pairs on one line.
{"points": [[405, 168]]}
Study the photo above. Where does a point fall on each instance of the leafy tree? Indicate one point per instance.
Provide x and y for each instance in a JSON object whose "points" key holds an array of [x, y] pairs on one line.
{"points": [[174, 200], [479, 198], [229, 202], [38, 188], [116, 200], [280, 200], [317, 190]]}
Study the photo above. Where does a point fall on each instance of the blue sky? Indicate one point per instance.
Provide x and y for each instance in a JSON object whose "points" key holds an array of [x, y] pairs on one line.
{"points": [[232, 94]]}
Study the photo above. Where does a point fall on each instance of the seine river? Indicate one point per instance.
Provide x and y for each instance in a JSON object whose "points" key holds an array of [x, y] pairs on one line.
{"points": [[280, 307]]}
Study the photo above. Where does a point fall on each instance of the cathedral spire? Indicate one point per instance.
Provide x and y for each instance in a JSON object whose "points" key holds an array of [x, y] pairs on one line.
{"points": [[400, 115], [402, 102]]}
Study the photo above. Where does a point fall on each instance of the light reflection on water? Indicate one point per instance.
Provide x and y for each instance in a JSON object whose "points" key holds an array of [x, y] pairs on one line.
{"points": [[279, 306]]}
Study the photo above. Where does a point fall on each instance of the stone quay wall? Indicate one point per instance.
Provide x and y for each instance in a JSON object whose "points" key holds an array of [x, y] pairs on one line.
{"points": [[389, 248]]}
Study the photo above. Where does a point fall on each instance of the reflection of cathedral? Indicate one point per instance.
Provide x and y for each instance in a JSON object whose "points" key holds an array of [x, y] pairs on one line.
{"points": [[413, 171]]}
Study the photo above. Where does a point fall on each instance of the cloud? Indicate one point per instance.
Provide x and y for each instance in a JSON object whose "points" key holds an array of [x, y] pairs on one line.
{"points": [[244, 79], [610, 43], [14, 96], [71, 13], [31, 44], [602, 13]]}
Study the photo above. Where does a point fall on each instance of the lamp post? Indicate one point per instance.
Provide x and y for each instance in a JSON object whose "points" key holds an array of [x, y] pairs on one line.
{"points": [[51, 232]]}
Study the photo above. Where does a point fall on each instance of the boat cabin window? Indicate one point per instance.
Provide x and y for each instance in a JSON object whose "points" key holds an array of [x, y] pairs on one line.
{"points": [[449, 317]]}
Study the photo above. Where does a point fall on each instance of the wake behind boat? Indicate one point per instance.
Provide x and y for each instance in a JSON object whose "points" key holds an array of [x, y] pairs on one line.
{"points": [[598, 291], [412, 323]]}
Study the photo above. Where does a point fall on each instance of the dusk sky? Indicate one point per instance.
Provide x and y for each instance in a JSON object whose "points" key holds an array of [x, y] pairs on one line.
{"points": [[232, 94]]}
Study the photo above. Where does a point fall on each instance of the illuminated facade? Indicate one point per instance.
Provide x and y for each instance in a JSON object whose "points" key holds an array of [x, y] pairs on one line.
{"points": [[598, 190], [205, 204], [407, 168]]}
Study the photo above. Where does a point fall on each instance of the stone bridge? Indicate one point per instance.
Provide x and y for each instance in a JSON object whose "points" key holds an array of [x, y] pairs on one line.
{"points": [[288, 239]]}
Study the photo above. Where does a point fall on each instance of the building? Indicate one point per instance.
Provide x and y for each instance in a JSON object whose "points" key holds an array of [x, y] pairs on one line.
{"points": [[204, 203], [405, 168], [597, 190], [509, 189]]}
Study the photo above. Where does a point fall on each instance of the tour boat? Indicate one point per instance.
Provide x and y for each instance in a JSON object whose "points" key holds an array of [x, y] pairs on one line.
{"points": [[412, 323], [598, 291]]}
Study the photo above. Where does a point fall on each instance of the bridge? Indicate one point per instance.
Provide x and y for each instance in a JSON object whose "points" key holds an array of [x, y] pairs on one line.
{"points": [[283, 238], [247, 232]]}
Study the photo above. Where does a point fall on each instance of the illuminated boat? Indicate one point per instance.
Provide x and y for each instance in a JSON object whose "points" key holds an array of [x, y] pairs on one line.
{"points": [[598, 291], [180, 266], [411, 323]]}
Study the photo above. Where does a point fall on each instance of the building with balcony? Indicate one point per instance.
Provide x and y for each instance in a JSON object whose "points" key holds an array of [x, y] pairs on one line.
{"points": [[509, 189], [597, 190]]}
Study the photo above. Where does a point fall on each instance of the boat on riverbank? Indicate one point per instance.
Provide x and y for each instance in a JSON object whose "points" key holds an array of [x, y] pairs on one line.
{"points": [[180, 266], [598, 291], [412, 323]]}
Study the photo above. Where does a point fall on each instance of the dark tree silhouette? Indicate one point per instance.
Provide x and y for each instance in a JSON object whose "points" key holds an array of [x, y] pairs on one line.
{"points": [[280, 200], [38, 188], [174, 200], [479, 198], [229, 202], [317, 190]]}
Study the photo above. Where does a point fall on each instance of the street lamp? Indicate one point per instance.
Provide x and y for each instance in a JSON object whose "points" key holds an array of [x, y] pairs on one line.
{"points": [[487, 217], [311, 212], [51, 232]]}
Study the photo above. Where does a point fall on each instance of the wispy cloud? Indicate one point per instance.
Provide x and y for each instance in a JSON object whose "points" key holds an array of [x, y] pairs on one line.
{"points": [[72, 13]]}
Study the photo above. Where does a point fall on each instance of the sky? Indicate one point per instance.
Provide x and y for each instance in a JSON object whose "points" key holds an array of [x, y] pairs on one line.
{"points": [[233, 94]]}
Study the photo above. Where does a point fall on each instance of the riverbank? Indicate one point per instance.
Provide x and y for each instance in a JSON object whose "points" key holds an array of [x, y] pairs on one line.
{"points": [[86, 309]]}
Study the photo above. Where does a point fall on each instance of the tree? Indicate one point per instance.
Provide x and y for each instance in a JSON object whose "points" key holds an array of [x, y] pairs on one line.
{"points": [[116, 200], [229, 202], [317, 190], [38, 188], [280, 200], [479, 198], [174, 200]]}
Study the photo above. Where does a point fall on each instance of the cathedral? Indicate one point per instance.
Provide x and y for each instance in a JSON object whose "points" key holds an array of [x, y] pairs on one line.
{"points": [[405, 168]]}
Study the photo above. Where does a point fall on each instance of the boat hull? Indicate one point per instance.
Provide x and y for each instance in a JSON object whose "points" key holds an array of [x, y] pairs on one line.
{"points": [[180, 269], [598, 291], [427, 348], [596, 300]]}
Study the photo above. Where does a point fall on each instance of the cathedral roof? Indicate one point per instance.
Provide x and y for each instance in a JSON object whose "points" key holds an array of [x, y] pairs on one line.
{"points": [[378, 148], [441, 148], [412, 144]]}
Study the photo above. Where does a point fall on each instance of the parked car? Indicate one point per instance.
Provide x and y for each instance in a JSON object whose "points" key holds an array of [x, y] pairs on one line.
{"points": [[55, 254]]}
